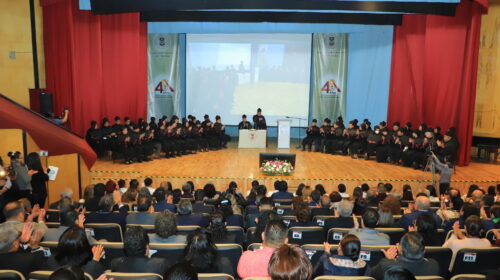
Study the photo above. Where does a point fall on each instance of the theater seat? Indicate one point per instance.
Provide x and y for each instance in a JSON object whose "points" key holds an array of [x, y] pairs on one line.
{"points": [[288, 219], [185, 230], [45, 274], [52, 215], [306, 235], [395, 234], [335, 235], [112, 250], [133, 276], [172, 252], [232, 252], [491, 236], [238, 231], [284, 210], [315, 251], [282, 202], [343, 278], [251, 209], [476, 260], [147, 228], [52, 245], [258, 278], [254, 246], [468, 277], [429, 278], [11, 275], [109, 232], [442, 256], [52, 224], [215, 276]]}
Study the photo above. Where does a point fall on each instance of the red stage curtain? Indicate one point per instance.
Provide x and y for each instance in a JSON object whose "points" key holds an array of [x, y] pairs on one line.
{"points": [[434, 71], [96, 65]]}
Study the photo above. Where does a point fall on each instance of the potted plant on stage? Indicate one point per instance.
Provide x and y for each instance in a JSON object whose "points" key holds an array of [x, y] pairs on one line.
{"points": [[277, 167]]}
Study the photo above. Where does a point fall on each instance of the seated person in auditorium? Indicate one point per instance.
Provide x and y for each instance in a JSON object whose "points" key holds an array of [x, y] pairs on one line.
{"points": [[346, 262], [259, 121], [313, 134], [148, 183], [398, 273], [187, 191], [230, 209], [99, 192], [66, 193], [335, 199], [282, 191], [392, 204], [315, 197], [210, 193], [244, 124], [367, 233], [70, 273], [422, 206], [180, 271], [426, 227], [220, 234], [105, 213], [145, 214], [472, 238], [74, 249], [16, 216], [13, 255], [122, 186], [342, 191], [137, 260], [166, 229], [164, 200], [185, 216], [110, 186], [254, 263], [262, 222], [388, 189], [68, 218], [324, 207], [386, 219], [199, 205], [468, 209], [320, 189], [289, 262], [201, 253], [235, 192], [303, 217], [409, 254], [381, 192], [265, 205], [342, 214]]}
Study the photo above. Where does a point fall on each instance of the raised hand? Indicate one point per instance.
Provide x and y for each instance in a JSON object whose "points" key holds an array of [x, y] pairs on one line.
{"points": [[26, 234], [35, 239], [327, 247], [390, 253], [97, 252], [81, 219]]}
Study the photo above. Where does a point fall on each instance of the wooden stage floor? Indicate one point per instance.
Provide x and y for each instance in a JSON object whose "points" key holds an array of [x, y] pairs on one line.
{"points": [[241, 165]]}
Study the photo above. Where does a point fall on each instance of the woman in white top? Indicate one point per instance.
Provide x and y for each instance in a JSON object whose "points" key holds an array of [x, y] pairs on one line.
{"points": [[473, 228]]}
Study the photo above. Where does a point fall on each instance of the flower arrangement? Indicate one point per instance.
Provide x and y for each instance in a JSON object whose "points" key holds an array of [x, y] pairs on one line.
{"points": [[277, 167]]}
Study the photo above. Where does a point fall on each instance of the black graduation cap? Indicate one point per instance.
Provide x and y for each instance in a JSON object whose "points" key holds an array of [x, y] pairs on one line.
{"points": [[244, 116], [217, 117], [259, 110], [117, 118], [396, 124], [127, 119], [206, 116], [382, 123], [328, 120], [315, 120]]}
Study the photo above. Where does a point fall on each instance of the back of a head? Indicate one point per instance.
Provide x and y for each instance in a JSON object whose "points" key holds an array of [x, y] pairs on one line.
{"points": [[186, 188], [365, 187], [159, 194], [398, 273], [370, 218], [99, 190], [134, 184], [181, 271], [422, 203], [319, 188], [275, 234], [335, 197], [143, 203], [148, 182], [266, 202], [185, 207], [325, 201], [12, 210], [106, 202], [262, 190], [342, 188], [474, 226], [303, 213], [315, 196], [135, 242], [165, 224], [68, 217], [289, 262], [199, 195], [477, 195], [351, 247], [413, 246], [345, 208], [469, 209], [68, 273], [426, 225], [284, 185], [388, 187], [8, 234], [200, 251], [73, 247]]}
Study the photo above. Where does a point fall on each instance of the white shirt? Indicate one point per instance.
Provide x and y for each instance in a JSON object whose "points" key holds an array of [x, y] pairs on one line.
{"points": [[456, 244], [151, 190], [344, 195]]}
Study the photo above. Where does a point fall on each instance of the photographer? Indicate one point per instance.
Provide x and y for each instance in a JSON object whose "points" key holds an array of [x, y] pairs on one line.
{"points": [[446, 170], [59, 121]]}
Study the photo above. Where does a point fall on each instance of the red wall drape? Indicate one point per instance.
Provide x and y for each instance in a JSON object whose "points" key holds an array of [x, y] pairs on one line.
{"points": [[434, 70], [96, 65]]}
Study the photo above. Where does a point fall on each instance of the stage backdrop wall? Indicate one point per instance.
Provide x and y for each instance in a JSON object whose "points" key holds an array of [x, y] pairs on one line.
{"points": [[368, 66]]}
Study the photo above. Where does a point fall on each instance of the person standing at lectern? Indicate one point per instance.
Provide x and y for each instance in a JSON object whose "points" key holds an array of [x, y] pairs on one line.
{"points": [[313, 133], [259, 120], [244, 124]]}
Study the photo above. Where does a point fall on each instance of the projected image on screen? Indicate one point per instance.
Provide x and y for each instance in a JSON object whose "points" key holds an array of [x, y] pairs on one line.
{"points": [[234, 74]]}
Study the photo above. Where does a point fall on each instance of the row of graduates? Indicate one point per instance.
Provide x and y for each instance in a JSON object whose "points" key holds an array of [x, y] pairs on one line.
{"points": [[399, 145], [143, 141]]}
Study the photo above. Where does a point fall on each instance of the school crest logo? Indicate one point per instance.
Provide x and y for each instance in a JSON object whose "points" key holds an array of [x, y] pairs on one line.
{"points": [[331, 41], [164, 88], [331, 88]]}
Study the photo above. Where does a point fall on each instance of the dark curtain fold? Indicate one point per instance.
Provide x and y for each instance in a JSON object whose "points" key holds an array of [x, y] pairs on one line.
{"points": [[96, 65], [434, 71]]}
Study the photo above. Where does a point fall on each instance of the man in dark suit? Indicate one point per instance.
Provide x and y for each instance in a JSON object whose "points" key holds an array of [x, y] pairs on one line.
{"points": [[12, 254], [199, 206], [409, 254], [93, 203], [164, 200], [65, 195], [422, 206], [137, 260], [265, 205], [145, 215], [186, 218], [105, 213], [282, 193]]}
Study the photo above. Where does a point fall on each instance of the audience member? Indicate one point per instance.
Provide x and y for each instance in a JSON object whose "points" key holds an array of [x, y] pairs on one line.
{"points": [[166, 229], [422, 206], [407, 193], [67, 219], [254, 263], [105, 213], [187, 191], [389, 192], [199, 205], [148, 183], [136, 250], [110, 187], [342, 191], [303, 217], [324, 209], [282, 191], [93, 203], [398, 273], [391, 204], [367, 233], [66, 193], [342, 214], [218, 230], [319, 188], [164, 200], [472, 238], [16, 216], [289, 262], [262, 222], [181, 271], [426, 227], [201, 253], [265, 205], [315, 197], [122, 186], [145, 214], [74, 249], [346, 262], [409, 254]]}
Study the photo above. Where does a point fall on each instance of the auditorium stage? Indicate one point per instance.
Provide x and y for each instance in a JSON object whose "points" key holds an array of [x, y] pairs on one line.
{"points": [[241, 165]]}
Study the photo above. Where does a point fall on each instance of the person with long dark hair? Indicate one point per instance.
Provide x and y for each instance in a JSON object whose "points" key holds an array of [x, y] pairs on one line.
{"points": [[426, 226], [74, 249], [218, 229], [201, 253], [346, 262], [38, 180]]}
